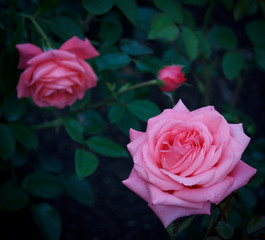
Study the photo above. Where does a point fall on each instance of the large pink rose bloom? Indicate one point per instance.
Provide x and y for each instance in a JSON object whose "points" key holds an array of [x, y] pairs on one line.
{"points": [[56, 78], [187, 160]]}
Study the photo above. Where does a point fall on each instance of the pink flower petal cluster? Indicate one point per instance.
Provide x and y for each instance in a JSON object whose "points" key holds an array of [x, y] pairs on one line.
{"points": [[57, 77], [187, 160], [172, 76]]}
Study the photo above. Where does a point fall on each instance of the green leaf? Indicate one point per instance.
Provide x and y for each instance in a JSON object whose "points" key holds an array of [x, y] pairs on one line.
{"points": [[79, 104], [92, 122], [134, 48], [64, 27], [42, 185], [97, 6], [185, 224], [146, 15], [188, 19], [248, 199], [13, 108], [232, 64], [128, 121], [260, 56], [224, 36], [48, 3], [163, 27], [256, 31], [74, 129], [19, 158], [7, 142], [130, 9], [196, 2], [50, 164], [48, 221], [241, 8], [171, 8], [214, 237], [116, 112], [225, 230], [80, 190], [25, 135], [262, 6], [143, 109], [106, 147], [85, 163], [255, 224], [228, 4], [253, 7], [190, 42], [204, 44], [149, 64], [112, 61], [110, 31], [173, 57], [12, 197]]}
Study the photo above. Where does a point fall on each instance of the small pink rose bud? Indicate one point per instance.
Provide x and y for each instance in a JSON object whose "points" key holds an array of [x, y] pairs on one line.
{"points": [[172, 76]]}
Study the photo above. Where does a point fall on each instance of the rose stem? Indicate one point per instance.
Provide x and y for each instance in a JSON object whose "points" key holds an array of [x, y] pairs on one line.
{"points": [[227, 206], [39, 29], [60, 121], [144, 84], [172, 229]]}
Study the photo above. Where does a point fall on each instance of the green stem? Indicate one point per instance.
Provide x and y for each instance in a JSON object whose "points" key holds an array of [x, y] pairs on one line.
{"points": [[144, 84], [55, 123], [13, 173], [39, 29], [208, 15], [59, 122], [211, 226], [139, 85], [172, 230]]}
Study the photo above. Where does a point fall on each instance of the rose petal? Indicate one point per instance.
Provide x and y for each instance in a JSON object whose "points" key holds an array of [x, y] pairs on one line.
{"points": [[43, 69], [180, 107], [168, 214], [214, 193], [137, 185], [82, 49], [51, 55], [242, 173], [158, 197], [26, 51], [237, 132], [200, 179], [89, 75], [134, 134], [23, 89]]}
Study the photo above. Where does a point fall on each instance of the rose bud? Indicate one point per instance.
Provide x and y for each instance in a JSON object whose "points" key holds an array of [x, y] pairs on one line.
{"points": [[187, 160], [56, 78], [172, 76]]}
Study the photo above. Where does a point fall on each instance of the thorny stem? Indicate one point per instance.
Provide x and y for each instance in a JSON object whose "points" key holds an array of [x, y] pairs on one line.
{"points": [[208, 15], [39, 29], [144, 84], [55, 123], [58, 122], [172, 229], [211, 228]]}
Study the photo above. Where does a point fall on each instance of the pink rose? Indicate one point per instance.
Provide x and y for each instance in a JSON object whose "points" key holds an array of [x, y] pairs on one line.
{"points": [[172, 77], [187, 160], [56, 78]]}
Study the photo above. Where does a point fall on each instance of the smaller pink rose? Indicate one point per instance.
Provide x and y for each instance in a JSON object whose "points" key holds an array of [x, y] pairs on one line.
{"points": [[187, 160], [172, 76], [56, 78]]}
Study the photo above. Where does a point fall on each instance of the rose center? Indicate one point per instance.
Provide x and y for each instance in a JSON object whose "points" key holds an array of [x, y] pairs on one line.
{"points": [[178, 146]]}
